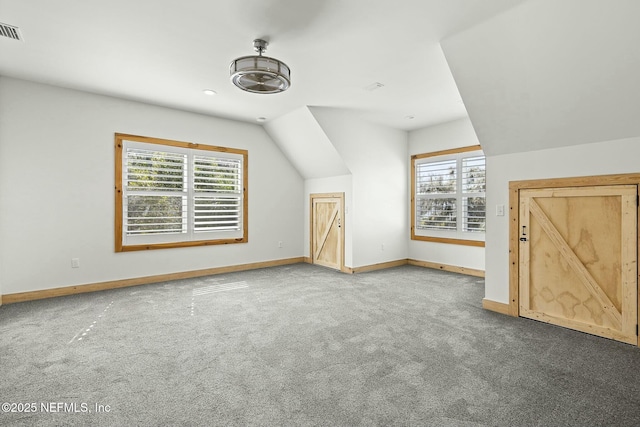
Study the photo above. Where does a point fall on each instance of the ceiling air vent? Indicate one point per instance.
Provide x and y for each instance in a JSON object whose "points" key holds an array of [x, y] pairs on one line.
{"points": [[10, 31]]}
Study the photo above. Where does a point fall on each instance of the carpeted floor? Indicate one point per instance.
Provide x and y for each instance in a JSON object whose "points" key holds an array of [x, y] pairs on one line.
{"points": [[302, 345]]}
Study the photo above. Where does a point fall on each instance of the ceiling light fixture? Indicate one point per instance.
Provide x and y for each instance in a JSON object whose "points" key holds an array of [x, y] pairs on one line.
{"points": [[260, 74], [209, 92]]}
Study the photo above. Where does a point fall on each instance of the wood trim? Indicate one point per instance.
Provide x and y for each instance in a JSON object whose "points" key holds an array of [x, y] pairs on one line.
{"points": [[447, 152], [189, 244], [496, 306], [245, 196], [414, 236], [114, 284], [118, 195], [463, 242], [447, 267], [582, 181], [514, 250], [412, 207], [524, 253], [514, 190], [400, 262], [181, 144], [326, 195], [582, 327], [629, 246], [118, 245], [379, 266]]}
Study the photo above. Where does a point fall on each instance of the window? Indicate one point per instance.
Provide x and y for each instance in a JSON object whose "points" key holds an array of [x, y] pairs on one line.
{"points": [[448, 196], [174, 194]]}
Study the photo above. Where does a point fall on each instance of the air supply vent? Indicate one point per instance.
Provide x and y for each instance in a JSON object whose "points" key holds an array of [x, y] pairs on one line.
{"points": [[10, 31]]}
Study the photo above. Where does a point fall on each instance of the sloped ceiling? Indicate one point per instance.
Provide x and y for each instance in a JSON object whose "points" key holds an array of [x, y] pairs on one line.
{"points": [[551, 73], [166, 52], [305, 144]]}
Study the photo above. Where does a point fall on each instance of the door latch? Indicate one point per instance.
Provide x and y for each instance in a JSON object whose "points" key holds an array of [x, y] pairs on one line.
{"points": [[523, 238]]}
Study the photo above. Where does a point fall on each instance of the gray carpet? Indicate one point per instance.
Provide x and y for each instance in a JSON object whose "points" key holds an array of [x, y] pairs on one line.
{"points": [[301, 345]]}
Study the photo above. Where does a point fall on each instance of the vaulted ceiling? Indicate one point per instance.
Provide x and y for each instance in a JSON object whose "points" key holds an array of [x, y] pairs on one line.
{"points": [[551, 73], [167, 52], [530, 74]]}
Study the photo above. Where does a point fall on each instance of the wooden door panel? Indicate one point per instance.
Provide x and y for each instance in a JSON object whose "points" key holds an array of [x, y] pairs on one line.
{"points": [[578, 258], [326, 232]]}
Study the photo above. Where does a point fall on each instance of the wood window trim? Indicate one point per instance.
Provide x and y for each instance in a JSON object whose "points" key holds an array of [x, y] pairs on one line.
{"points": [[447, 152], [514, 216], [462, 242], [120, 247], [446, 240]]}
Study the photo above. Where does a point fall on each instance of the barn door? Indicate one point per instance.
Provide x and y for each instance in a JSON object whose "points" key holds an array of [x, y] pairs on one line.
{"points": [[578, 252], [327, 237]]}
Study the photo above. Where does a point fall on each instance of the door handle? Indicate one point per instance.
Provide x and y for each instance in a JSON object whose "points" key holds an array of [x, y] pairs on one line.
{"points": [[523, 238]]}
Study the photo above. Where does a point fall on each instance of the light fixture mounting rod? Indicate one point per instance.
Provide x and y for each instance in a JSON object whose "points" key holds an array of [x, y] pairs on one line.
{"points": [[260, 46]]}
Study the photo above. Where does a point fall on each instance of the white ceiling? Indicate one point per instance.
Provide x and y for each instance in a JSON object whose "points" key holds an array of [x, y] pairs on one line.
{"points": [[551, 73], [167, 52]]}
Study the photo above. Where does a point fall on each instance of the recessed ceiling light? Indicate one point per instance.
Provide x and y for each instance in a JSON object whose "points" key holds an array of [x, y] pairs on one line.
{"points": [[209, 92], [261, 119], [410, 117]]}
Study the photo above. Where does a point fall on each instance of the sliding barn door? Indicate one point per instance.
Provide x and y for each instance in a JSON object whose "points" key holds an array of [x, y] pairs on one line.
{"points": [[327, 238], [578, 259]]}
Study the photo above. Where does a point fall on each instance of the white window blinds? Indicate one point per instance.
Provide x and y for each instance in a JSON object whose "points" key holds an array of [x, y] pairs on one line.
{"points": [[473, 194], [156, 187], [176, 194], [449, 199], [218, 187]]}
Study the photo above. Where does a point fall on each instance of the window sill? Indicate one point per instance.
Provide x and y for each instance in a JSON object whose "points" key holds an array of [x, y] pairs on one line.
{"points": [[144, 247], [462, 242]]}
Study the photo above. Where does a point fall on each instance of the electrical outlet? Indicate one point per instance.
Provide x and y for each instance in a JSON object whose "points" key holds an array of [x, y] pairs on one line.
{"points": [[280, 244], [382, 247], [75, 262]]}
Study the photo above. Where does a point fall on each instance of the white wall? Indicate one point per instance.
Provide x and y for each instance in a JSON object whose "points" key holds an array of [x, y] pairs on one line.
{"points": [[455, 134], [543, 75], [611, 157], [57, 198], [377, 158]]}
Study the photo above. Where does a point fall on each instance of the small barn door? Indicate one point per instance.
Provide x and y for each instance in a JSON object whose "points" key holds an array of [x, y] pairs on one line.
{"points": [[578, 252], [327, 235]]}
